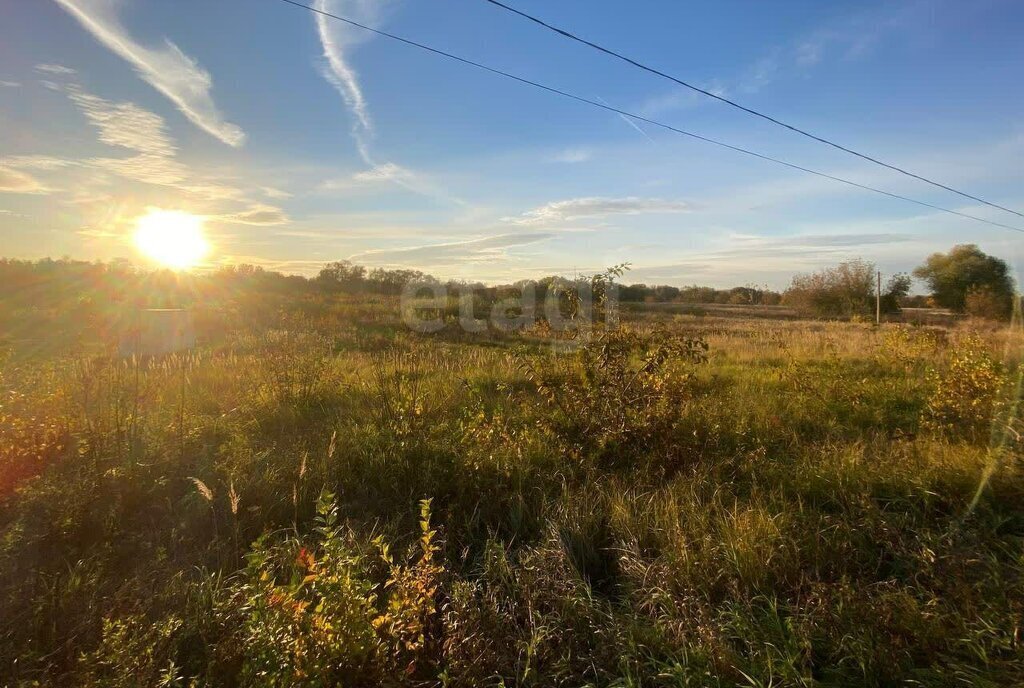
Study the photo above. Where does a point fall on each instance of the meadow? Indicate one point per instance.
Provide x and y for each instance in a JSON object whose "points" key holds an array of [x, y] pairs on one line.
{"points": [[321, 497]]}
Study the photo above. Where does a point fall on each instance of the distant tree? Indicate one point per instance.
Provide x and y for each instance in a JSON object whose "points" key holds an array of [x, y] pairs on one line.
{"points": [[342, 275], [392, 282], [747, 296], [986, 303], [844, 290], [633, 292], [952, 276], [896, 290], [664, 293], [917, 301]]}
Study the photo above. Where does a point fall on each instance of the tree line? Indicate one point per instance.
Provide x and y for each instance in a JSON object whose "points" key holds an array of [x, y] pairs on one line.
{"points": [[964, 280], [74, 295]]}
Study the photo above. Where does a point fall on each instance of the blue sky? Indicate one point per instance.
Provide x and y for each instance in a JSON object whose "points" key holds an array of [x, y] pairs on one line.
{"points": [[304, 141]]}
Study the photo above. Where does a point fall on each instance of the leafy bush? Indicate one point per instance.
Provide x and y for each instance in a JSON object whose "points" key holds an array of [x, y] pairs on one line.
{"points": [[626, 391], [987, 303], [965, 394], [844, 290], [336, 610]]}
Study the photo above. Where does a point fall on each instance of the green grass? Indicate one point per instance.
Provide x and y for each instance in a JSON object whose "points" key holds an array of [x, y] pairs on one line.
{"points": [[795, 510]]}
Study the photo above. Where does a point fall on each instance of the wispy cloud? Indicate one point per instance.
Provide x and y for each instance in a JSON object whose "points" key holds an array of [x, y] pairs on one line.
{"points": [[854, 36], [275, 193], [389, 173], [676, 99], [481, 250], [337, 39], [760, 74], [382, 173], [149, 169], [153, 161], [572, 155], [264, 215], [774, 259], [35, 162], [847, 38], [57, 69], [124, 124], [378, 174], [9, 84], [755, 245], [596, 207], [167, 69], [16, 181]]}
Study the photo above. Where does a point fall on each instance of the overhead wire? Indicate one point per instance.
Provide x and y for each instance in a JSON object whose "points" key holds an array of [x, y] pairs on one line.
{"points": [[751, 111], [641, 118]]}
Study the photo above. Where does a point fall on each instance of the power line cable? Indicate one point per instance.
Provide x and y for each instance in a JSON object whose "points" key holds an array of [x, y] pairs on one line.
{"points": [[751, 111], [640, 118]]}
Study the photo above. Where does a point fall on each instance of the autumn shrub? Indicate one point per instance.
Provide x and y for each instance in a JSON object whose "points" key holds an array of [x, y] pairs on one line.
{"points": [[987, 303], [965, 393], [336, 609], [620, 390]]}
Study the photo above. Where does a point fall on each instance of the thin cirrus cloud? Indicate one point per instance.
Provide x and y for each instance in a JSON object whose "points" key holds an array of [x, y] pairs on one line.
{"points": [[149, 169], [17, 181], [337, 39], [128, 126], [35, 162], [260, 215], [482, 250], [387, 172], [814, 244], [572, 155], [167, 69], [597, 207], [770, 258], [275, 193], [847, 38], [56, 69], [124, 124]]}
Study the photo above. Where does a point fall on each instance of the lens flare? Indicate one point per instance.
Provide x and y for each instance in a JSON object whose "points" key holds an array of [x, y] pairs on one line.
{"points": [[172, 238]]}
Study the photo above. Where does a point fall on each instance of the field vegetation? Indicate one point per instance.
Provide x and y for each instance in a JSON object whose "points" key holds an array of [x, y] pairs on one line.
{"points": [[318, 496]]}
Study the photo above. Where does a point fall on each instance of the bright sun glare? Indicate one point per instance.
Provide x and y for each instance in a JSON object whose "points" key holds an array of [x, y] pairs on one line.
{"points": [[171, 237]]}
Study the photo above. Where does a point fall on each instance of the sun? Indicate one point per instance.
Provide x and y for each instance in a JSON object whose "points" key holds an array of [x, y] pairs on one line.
{"points": [[172, 238]]}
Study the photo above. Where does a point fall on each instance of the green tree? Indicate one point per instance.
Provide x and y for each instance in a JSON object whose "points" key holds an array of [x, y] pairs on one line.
{"points": [[896, 289], [951, 276], [342, 275]]}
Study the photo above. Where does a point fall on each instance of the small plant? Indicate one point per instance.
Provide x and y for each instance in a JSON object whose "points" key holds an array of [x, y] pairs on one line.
{"points": [[134, 651], [964, 395], [326, 612], [625, 389]]}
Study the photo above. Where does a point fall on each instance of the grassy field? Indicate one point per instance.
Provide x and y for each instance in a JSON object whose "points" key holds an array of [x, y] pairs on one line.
{"points": [[694, 499]]}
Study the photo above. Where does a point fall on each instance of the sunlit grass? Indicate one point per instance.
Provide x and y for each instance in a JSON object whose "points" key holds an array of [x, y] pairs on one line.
{"points": [[792, 511]]}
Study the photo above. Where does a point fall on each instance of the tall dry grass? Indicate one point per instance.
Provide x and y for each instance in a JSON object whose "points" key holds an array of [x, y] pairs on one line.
{"points": [[792, 506]]}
